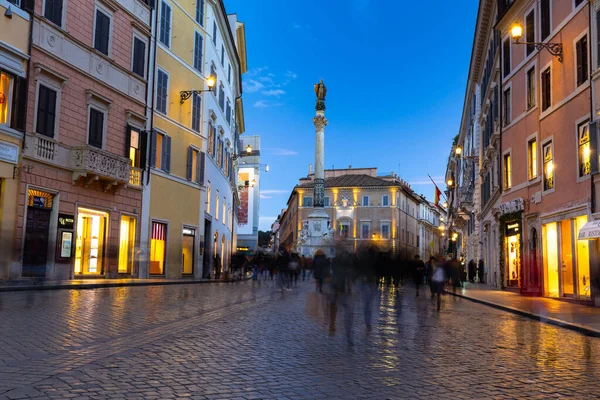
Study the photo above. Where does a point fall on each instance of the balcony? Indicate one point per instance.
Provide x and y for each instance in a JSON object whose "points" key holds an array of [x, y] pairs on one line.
{"points": [[46, 150], [98, 165], [465, 197]]}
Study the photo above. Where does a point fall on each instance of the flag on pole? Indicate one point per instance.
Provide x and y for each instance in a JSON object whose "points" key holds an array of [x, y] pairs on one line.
{"points": [[438, 194]]}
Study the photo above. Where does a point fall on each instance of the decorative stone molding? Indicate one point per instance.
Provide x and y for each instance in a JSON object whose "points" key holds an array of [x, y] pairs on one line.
{"points": [[56, 76], [93, 96], [135, 119], [112, 5], [320, 122], [212, 115], [221, 130], [61, 45], [11, 59]]}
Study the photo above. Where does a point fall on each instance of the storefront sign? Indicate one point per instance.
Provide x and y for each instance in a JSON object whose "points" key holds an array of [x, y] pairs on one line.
{"points": [[66, 221], [9, 152], [590, 231], [512, 206], [512, 229]]}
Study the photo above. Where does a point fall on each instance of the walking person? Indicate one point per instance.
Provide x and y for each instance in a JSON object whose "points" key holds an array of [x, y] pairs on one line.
{"points": [[472, 271], [480, 271], [439, 279], [418, 272], [429, 274], [320, 269]]}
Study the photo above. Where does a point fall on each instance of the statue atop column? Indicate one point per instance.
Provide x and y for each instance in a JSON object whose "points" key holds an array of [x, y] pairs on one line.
{"points": [[321, 92]]}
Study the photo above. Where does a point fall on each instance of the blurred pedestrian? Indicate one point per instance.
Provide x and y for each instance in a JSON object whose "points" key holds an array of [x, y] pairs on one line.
{"points": [[429, 274], [418, 272], [320, 269], [283, 262], [480, 271], [439, 279], [472, 271]]}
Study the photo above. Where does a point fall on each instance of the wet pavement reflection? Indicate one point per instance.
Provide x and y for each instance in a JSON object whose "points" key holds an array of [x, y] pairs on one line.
{"points": [[260, 340]]}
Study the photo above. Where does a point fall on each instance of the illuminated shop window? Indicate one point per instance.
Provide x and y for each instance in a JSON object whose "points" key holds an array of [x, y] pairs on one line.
{"points": [[158, 248], [126, 245]]}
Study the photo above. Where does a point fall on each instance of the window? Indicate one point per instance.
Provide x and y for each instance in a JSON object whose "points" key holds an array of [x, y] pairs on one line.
{"points": [[402, 205], [546, 89], [228, 112], [229, 74], [158, 248], [126, 245], [6, 90], [102, 32], [217, 205], [507, 172], [53, 11], [548, 166], [598, 37], [365, 231], [160, 152], [200, 12], [213, 72], [223, 55], [222, 97], [532, 159], [582, 60], [196, 111], [165, 24], [583, 133], [162, 91], [15, 2], [345, 230], [214, 33], [403, 234], [418, 239], [46, 111], [224, 210], [198, 51], [208, 199], [219, 153], [326, 201], [545, 19], [507, 107], [365, 201], [96, 128], [139, 57], [531, 97], [195, 165], [211, 139], [578, 2], [506, 57], [385, 200], [307, 202], [530, 31], [385, 231]]}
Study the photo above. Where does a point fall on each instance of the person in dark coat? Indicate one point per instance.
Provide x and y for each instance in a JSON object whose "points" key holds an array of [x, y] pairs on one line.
{"points": [[429, 274], [472, 271], [418, 272], [480, 271], [320, 269]]}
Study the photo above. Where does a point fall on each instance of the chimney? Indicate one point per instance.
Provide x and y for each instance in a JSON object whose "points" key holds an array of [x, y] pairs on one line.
{"points": [[310, 169], [350, 166]]}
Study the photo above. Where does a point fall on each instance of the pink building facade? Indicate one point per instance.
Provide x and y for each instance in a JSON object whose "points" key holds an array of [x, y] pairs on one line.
{"points": [[546, 148], [80, 192]]}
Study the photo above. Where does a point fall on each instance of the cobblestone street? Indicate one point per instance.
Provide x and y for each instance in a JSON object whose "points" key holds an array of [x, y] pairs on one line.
{"points": [[245, 341]]}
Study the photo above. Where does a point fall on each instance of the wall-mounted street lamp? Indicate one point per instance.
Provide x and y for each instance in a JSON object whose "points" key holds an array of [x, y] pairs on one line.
{"points": [[248, 153], [450, 182], [556, 49], [458, 152], [186, 94], [247, 184]]}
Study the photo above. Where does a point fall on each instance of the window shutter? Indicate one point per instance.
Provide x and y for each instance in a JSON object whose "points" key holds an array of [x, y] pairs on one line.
{"points": [[127, 140], [168, 154], [579, 55], [189, 163], [200, 165], [28, 5], [140, 55], [144, 149], [153, 140], [594, 147], [41, 110], [51, 112], [95, 128], [19, 114]]}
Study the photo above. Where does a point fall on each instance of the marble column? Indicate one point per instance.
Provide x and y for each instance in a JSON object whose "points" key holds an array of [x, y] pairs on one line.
{"points": [[319, 193]]}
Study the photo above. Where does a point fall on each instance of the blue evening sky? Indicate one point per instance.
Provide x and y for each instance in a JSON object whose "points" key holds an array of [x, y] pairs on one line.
{"points": [[395, 73]]}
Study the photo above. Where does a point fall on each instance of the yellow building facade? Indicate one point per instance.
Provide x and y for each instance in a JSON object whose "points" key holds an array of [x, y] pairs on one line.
{"points": [[14, 56], [176, 196]]}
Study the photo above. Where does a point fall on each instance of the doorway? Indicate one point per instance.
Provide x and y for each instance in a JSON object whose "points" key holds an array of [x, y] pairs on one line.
{"points": [[206, 253], [91, 239], [37, 231], [188, 251]]}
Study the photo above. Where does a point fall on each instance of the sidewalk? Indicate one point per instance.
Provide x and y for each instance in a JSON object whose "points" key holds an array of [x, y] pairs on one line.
{"points": [[78, 284], [578, 317]]}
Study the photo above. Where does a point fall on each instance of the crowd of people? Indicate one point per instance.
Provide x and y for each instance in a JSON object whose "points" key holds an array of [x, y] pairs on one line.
{"points": [[362, 269]]}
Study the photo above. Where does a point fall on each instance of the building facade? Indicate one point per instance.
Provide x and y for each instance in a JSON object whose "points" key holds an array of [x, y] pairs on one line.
{"points": [[363, 209], [80, 194], [249, 171], [429, 238], [15, 26], [194, 138], [543, 137]]}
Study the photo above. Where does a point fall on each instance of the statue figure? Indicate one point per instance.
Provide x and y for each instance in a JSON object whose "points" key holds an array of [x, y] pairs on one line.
{"points": [[321, 92]]}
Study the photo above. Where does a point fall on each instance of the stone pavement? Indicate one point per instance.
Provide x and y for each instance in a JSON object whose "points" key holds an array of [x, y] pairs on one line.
{"points": [[244, 341], [45, 284], [571, 315]]}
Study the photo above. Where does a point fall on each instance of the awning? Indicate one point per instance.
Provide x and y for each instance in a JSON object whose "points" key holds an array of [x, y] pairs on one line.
{"points": [[590, 231]]}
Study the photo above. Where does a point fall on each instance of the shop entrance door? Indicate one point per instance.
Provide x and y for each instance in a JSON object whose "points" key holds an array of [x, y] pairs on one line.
{"points": [[188, 253], [35, 250], [91, 236], [550, 259], [207, 252], [566, 259]]}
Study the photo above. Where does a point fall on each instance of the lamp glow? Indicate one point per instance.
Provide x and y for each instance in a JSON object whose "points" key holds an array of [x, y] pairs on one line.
{"points": [[516, 32], [210, 82], [450, 182], [248, 149], [458, 151]]}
